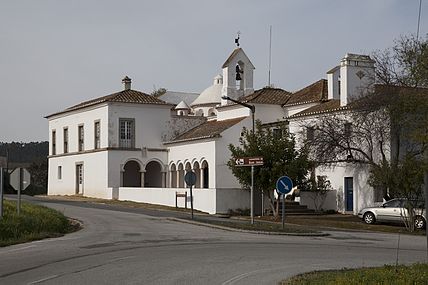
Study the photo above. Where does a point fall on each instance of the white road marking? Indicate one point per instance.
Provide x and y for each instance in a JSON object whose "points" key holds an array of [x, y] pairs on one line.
{"points": [[44, 279]]}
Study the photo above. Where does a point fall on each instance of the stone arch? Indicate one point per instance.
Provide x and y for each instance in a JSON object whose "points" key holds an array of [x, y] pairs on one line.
{"points": [[131, 174], [180, 174], [153, 175], [197, 170], [240, 68], [204, 174], [211, 112], [173, 176]]}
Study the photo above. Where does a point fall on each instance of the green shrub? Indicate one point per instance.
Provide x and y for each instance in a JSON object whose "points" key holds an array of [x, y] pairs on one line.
{"points": [[388, 274], [34, 222]]}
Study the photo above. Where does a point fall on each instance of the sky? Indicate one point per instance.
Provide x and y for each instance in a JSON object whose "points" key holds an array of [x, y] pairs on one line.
{"points": [[55, 54]]}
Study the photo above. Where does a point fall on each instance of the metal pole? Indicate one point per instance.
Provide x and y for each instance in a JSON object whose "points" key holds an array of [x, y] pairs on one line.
{"points": [[252, 194], [18, 206], [426, 199], [1, 193], [283, 211], [191, 199]]}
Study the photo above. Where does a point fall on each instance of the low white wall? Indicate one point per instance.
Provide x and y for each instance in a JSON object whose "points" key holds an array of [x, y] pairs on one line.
{"points": [[228, 199], [330, 202], [203, 199], [211, 201]]}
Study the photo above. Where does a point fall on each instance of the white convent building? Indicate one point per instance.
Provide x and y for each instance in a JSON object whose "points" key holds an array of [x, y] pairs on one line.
{"points": [[133, 146]]}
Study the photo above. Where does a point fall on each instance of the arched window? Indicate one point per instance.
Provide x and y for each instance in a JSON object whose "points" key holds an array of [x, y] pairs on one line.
{"points": [[180, 173], [173, 176], [197, 171], [131, 174], [205, 174]]}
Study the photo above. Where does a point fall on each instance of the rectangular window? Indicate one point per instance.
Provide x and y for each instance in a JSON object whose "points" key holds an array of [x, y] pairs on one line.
{"points": [[348, 129], [59, 172], [53, 142], [310, 133], [81, 138], [97, 134], [277, 133], [126, 133], [65, 140]]}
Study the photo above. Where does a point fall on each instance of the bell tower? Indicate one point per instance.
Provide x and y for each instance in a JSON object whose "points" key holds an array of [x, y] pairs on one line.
{"points": [[237, 75]]}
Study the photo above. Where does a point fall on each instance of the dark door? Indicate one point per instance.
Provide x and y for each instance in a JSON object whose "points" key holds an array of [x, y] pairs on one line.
{"points": [[349, 193]]}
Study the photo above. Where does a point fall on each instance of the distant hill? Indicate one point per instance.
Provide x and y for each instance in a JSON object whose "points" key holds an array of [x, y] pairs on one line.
{"points": [[25, 152], [33, 156]]}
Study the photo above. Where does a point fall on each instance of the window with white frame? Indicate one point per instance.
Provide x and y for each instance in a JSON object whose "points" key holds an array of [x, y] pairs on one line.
{"points": [[97, 135], [65, 139], [53, 142], [81, 138], [126, 133]]}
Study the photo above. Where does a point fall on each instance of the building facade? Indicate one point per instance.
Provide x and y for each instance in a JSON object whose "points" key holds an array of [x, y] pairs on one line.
{"points": [[132, 146]]}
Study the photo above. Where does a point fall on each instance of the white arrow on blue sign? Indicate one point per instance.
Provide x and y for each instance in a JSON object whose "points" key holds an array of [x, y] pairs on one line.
{"points": [[284, 185]]}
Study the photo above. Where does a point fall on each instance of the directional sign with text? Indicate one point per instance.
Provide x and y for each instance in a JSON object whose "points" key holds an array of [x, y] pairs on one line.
{"points": [[249, 161], [284, 185]]}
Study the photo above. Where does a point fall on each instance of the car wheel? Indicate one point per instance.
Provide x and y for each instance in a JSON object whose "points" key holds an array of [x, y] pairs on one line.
{"points": [[420, 222], [369, 218]]}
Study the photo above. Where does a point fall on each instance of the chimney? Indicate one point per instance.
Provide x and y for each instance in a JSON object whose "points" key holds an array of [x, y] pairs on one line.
{"points": [[127, 83]]}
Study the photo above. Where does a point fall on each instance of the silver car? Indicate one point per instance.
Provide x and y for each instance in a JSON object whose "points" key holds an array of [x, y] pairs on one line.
{"points": [[393, 211]]}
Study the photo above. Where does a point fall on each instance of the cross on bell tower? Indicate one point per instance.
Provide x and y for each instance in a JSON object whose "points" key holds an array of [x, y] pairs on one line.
{"points": [[237, 39]]}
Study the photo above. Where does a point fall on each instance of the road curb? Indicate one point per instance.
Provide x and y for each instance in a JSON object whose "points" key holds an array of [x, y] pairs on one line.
{"points": [[198, 223]]}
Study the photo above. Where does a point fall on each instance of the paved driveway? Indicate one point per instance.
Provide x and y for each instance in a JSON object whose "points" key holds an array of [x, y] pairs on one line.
{"points": [[120, 246]]}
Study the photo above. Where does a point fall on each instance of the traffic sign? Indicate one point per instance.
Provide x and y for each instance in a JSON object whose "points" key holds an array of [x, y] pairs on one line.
{"points": [[20, 178], [249, 161], [284, 185], [190, 178]]}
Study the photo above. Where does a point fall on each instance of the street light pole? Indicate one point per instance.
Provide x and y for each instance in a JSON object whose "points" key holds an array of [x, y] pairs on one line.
{"points": [[253, 110]]}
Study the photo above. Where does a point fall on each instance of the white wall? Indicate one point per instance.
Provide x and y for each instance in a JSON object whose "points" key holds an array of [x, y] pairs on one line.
{"points": [[232, 112], [94, 175], [363, 193], [191, 151], [72, 120], [294, 109], [150, 123], [308, 199], [225, 178], [212, 201]]}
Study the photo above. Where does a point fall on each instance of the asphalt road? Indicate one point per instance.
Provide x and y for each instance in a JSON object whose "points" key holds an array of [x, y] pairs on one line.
{"points": [[135, 246]]}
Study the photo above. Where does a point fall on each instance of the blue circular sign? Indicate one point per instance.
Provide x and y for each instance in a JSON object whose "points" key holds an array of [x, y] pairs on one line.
{"points": [[284, 185]]}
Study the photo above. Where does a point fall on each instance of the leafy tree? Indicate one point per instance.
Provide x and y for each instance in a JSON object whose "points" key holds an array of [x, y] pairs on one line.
{"points": [[158, 92], [280, 157]]}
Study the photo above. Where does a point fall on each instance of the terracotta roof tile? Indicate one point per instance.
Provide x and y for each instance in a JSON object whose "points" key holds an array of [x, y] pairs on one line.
{"points": [[324, 107], [125, 96], [267, 95], [209, 129], [315, 92]]}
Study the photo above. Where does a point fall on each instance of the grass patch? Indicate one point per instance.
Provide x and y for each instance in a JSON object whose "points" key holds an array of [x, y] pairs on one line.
{"points": [[348, 222], [388, 274], [34, 223], [259, 226]]}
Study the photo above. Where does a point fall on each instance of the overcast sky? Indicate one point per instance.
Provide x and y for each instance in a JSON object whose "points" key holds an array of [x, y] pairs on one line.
{"points": [[54, 54]]}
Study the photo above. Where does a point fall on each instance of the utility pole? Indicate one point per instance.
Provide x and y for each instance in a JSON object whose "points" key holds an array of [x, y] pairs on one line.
{"points": [[253, 111]]}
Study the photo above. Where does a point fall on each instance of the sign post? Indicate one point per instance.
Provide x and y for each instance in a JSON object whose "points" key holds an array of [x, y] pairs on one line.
{"points": [[190, 179], [284, 186], [1, 192], [20, 179], [251, 161]]}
